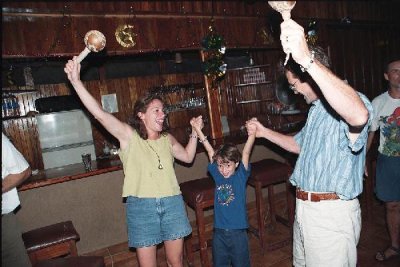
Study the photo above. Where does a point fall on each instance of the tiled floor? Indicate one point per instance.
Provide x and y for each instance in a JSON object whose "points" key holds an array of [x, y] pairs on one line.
{"points": [[374, 237]]}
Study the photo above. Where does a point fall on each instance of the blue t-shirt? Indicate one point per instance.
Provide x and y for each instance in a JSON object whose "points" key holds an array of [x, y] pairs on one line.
{"points": [[230, 198]]}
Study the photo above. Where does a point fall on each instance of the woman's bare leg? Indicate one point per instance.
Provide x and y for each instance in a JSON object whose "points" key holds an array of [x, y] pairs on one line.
{"points": [[147, 256], [174, 252]]}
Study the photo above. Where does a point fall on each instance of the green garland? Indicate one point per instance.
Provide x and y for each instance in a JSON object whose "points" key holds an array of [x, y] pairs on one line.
{"points": [[312, 32], [213, 43]]}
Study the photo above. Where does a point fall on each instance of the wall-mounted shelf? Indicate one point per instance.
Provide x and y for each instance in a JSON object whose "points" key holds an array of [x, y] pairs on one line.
{"points": [[183, 101], [250, 89], [253, 84], [186, 109], [254, 101]]}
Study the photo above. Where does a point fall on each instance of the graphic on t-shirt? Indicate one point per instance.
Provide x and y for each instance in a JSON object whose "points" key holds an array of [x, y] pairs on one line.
{"points": [[391, 132], [225, 194]]}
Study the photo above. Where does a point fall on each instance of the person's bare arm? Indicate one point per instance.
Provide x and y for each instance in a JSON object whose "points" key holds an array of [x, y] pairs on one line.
{"points": [[371, 136], [251, 132], [287, 142], [186, 154], [118, 129], [13, 180], [204, 141]]}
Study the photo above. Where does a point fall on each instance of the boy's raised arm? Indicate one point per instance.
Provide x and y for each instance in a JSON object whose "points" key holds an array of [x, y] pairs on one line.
{"points": [[251, 131]]}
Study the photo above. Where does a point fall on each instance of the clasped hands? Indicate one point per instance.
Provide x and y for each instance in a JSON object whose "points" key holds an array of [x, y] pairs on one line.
{"points": [[253, 127], [197, 122]]}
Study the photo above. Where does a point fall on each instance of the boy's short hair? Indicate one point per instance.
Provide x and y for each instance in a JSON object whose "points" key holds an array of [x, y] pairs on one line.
{"points": [[227, 152]]}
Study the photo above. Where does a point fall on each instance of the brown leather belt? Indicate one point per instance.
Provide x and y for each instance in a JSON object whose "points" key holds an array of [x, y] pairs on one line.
{"points": [[315, 197]]}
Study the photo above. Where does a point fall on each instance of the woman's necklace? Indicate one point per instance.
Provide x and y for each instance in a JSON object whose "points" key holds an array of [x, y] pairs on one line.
{"points": [[160, 166]]}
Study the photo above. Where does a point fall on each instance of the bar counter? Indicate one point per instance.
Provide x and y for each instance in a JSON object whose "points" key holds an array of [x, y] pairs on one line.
{"points": [[70, 172]]}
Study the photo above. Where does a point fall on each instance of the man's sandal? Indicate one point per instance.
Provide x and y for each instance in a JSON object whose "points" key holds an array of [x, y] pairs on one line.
{"points": [[380, 256]]}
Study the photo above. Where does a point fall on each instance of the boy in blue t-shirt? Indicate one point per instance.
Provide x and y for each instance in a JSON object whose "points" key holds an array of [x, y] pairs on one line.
{"points": [[230, 171]]}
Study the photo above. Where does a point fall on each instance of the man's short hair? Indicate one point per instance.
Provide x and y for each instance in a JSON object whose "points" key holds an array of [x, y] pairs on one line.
{"points": [[389, 61], [319, 54]]}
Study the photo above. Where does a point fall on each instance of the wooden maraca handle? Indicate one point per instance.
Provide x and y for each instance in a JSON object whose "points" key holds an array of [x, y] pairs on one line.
{"points": [[83, 54], [283, 7]]}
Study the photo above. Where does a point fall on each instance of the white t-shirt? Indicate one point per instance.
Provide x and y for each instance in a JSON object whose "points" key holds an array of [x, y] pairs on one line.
{"points": [[387, 118], [12, 162]]}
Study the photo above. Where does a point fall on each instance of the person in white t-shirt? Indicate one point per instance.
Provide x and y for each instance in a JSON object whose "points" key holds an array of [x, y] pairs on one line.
{"points": [[387, 119], [14, 170]]}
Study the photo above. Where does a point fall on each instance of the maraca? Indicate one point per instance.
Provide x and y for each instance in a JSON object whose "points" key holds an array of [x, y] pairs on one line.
{"points": [[283, 7], [95, 41]]}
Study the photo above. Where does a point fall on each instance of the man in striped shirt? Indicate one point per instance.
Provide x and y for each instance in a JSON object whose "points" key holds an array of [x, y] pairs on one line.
{"points": [[331, 151]]}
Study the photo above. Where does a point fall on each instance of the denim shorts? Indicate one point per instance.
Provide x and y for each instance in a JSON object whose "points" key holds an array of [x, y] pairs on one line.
{"points": [[387, 185], [151, 221]]}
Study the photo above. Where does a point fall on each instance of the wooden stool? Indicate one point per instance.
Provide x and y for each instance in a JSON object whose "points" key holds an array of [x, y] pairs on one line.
{"points": [[199, 195], [51, 241], [80, 261], [268, 172]]}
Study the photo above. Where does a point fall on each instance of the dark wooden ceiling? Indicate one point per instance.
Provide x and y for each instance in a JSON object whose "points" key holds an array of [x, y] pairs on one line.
{"points": [[56, 28]]}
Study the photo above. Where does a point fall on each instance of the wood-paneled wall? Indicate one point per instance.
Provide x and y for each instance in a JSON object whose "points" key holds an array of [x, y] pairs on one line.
{"points": [[44, 29], [54, 28]]}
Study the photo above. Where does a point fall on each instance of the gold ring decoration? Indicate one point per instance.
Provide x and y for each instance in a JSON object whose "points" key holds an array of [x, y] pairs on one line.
{"points": [[125, 35]]}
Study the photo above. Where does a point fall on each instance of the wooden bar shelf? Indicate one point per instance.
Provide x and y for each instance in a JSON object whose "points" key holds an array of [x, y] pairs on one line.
{"points": [[253, 84], [254, 101]]}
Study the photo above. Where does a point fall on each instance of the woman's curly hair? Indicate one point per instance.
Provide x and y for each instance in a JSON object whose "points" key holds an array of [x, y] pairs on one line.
{"points": [[141, 105]]}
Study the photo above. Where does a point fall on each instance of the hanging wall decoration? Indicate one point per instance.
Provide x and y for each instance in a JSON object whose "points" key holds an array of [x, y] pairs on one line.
{"points": [[312, 35], [265, 35], [125, 35], [213, 43]]}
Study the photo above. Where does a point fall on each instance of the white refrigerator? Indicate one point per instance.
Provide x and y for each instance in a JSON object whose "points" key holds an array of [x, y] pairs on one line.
{"points": [[64, 136]]}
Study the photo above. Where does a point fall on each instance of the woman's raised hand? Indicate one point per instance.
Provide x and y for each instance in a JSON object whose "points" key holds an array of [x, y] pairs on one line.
{"points": [[197, 122], [72, 69]]}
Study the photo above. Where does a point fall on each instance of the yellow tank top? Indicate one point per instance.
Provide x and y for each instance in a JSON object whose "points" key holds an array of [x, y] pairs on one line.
{"points": [[143, 178]]}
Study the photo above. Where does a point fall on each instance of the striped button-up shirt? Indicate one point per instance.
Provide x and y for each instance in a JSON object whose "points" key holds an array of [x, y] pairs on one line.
{"points": [[328, 160]]}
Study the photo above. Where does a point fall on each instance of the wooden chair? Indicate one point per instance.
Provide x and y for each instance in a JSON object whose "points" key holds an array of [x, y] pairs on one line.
{"points": [[199, 195], [267, 173]]}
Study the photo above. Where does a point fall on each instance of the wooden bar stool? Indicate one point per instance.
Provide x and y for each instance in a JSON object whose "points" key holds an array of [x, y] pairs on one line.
{"points": [[268, 172], [51, 241], [80, 261], [199, 195]]}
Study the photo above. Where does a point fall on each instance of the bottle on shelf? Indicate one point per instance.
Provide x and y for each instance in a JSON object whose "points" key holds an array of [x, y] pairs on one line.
{"points": [[15, 105], [9, 107]]}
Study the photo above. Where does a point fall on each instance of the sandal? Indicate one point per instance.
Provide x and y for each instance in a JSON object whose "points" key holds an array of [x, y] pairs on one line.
{"points": [[381, 256]]}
